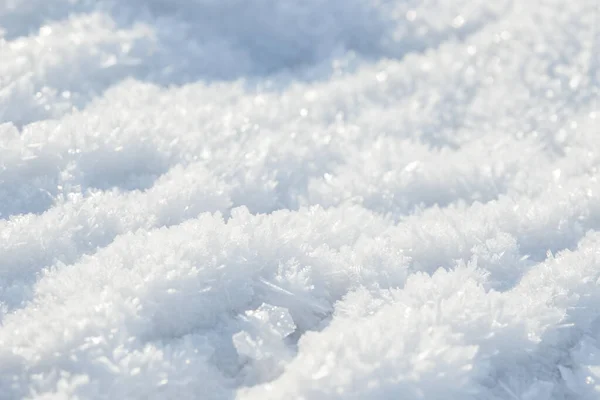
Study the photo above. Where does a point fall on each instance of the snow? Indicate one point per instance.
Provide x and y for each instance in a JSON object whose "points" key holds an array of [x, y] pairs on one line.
{"points": [[268, 199]]}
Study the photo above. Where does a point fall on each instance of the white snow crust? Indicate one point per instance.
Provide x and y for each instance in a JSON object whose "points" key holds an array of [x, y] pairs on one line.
{"points": [[310, 199]]}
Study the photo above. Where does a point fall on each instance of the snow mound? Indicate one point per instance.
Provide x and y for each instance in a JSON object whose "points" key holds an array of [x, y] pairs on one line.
{"points": [[266, 199]]}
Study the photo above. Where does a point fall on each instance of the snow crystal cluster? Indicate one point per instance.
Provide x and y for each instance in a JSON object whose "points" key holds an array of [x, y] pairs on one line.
{"points": [[316, 199]]}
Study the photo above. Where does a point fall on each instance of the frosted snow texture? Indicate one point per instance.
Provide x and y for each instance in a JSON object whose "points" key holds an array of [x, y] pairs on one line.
{"points": [[316, 199]]}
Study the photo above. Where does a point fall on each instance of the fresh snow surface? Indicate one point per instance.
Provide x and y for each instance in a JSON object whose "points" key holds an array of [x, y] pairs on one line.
{"points": [[309, 199]]}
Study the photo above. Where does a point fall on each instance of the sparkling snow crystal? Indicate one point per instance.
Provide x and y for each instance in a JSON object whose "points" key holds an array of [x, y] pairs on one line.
{"points": [[315, 199]]}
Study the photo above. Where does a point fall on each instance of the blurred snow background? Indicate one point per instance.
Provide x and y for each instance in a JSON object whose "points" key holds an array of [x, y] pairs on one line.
{"points": [[311, 199]]}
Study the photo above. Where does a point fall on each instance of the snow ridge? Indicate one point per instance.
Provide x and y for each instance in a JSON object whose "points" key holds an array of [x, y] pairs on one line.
{"points": [[264, 199]]}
